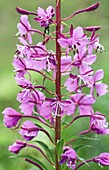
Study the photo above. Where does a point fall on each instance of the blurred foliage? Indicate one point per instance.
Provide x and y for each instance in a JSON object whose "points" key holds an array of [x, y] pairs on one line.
{"points": [[8, 88]]}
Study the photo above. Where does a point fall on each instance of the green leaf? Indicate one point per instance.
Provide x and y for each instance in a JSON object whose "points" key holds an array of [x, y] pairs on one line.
{"points": [[64, 167], [47, 149], [83, 160], [82, 146], [31, 158], [87, 138], [59, 147], [70, 138], [38, 125], [79, 137], [65, 24]]}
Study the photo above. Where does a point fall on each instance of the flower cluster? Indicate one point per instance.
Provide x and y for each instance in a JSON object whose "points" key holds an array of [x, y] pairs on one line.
{"points": [[78, 54]]}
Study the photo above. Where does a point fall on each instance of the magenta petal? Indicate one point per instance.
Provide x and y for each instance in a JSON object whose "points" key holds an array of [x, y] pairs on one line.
{"points": [[21, 29], [86, 110], [87, 100], [17, 146], [71, 84], [101, 88], [27, 108], [98, 75], [41, 12], [67, 107], [66, 64], [63, 42], [46, 110], [76, 97], [28, 130], [50, 11], [89, 59], [78, 33], [84, 69]]}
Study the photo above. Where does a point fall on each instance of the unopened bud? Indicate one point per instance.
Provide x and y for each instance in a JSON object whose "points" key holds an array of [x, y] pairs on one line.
{"points": [[92, 28], [22, 11], [92, 7]]}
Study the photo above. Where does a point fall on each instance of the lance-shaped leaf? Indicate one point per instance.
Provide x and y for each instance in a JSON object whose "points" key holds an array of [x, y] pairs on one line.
{"points": [[87, 138], [32, 159], [82, 146], [59, 147], [83, 160], [47, 149]]}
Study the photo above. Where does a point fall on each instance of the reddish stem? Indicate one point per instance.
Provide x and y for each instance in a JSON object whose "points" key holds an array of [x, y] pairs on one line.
{"points": [[37, 148], [89, 160], [58, 77], [88, 9], [81, 133], [33, 163], [39, 119], [32, 69], [43, 130], [42, 87], [77, 117]]}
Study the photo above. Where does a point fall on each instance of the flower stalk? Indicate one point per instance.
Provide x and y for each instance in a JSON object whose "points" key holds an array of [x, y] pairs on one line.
{"points": [[58, 77]]}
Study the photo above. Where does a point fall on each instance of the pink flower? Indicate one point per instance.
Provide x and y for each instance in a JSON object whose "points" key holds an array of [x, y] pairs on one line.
{"points": [[70, 157], [29, 130], [77, 38], [23, 82], [41, 58], [24, 49], [11, 117], [83, 102], [98, 124], [101, 88], [17, 146], [102, 159], [19, 64], [83, 61], [28, 99], [50, 107], [24, 28], [93, 43], [45, 16], [77, 82], [72, 83]]}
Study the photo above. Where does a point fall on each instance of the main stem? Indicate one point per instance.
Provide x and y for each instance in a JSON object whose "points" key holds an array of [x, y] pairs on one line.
{"points": [[58, 77]]}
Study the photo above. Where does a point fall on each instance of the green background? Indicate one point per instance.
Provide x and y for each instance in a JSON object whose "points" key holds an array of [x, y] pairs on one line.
{"points": [[8, 88]]}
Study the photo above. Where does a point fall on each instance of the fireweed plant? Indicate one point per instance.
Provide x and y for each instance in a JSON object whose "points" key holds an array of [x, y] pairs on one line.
{"points": [[68, 68]]}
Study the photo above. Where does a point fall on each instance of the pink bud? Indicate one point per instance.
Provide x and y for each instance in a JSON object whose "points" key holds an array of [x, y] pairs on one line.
{"points": [[22, 11], [92, 28], [92, 7]]}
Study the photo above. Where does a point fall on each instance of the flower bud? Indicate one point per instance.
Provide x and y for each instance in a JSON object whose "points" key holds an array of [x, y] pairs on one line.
{"points": [[102, 159], [11, 117], [17, 146], [22, 11], [92, 7]]}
